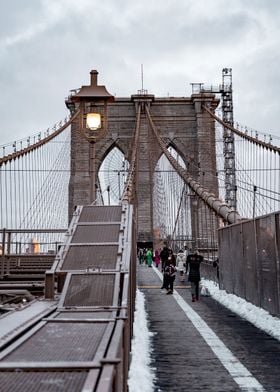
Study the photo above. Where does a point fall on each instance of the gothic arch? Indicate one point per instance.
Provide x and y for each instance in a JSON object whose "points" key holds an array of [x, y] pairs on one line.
{"points": [[112, 174]]}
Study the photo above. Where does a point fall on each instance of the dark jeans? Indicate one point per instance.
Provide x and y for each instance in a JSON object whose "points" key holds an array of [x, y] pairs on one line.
{"points": [[170, 282], [164, 282], [195, 288]]}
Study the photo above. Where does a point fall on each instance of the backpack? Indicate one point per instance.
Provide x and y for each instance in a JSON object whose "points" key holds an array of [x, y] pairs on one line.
{"points": [[170, 270]]}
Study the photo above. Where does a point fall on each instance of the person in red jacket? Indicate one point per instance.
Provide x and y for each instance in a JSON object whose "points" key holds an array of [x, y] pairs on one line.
{"points": [[193, 266], [157, 258]]}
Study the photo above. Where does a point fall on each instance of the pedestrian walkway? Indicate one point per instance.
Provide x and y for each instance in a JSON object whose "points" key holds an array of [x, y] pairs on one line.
{"points": [[203, 346]]}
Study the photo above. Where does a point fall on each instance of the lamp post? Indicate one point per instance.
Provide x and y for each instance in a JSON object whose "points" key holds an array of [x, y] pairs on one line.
{"points": [[92, 102]]}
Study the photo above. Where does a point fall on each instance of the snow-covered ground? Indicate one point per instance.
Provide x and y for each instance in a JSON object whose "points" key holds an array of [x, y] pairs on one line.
{"points": [[255, 315], [142, 376]]}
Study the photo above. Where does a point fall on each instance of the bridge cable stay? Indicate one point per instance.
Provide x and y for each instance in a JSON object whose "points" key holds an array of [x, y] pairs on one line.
{"points": [[244, 135], [34, 191], [35, 196], [159, 203], [172, 211], [179, 217], [181, 203], [49, 206], [186, 219], [112, 176], [39, 143], [166, 226], [223, 211], [129, 191], [257, 182], [244, 204], [257, 165]]}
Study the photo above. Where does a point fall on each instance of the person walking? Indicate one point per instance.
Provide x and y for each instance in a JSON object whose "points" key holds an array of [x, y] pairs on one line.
{"points": [[157, 258], [170, 274], [193, 266], [181, 265], [140, 256], [172, 257], [149, 257], [186, 252], [163, 258], [216, 265], [144, 255]]}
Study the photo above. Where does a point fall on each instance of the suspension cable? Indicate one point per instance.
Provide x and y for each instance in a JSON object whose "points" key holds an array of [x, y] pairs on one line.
{"points": [[244, 135], [128, 190], [40, 143], [222, 209]]}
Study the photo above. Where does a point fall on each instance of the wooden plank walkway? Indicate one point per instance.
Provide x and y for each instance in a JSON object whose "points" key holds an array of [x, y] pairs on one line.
{"points": [[184, 361]]}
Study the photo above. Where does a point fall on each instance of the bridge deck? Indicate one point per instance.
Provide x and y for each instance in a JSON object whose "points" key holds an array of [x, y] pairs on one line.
{"points": [[182, 358]]}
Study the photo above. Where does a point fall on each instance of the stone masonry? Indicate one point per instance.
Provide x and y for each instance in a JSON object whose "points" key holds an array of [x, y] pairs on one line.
{"points": [[181, 122]]}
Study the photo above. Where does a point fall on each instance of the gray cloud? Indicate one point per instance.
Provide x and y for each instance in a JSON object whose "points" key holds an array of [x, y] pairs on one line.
{"points": [[48, 47]]}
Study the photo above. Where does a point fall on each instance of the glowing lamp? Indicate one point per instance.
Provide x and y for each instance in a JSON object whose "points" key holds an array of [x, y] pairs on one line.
{"points": [[93, 121], [91, 101]]}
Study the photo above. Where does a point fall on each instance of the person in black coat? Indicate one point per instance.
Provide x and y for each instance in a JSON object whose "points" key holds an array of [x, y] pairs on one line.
{"points": [[164, 254], [170, 274], [193, 266], [216, 265]]}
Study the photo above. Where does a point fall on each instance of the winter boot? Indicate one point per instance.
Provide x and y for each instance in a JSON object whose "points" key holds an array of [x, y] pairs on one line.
{"points": [[193, 298]]}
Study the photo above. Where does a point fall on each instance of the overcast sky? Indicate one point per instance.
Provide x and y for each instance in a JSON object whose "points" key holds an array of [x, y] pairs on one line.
{"points": [[48, 47]]}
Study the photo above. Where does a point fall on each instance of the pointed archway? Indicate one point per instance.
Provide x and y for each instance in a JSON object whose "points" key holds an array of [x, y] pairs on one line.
{"points": [[171, 204], [112, 175]]}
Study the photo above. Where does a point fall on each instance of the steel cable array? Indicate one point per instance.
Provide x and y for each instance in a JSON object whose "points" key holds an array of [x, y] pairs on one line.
{"points": [[257, 168], [34, 183], [34, 190], [222, 210]]}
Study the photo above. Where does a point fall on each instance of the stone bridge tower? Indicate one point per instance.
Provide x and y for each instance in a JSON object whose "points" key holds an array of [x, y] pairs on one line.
{"points": [[181, 122]]}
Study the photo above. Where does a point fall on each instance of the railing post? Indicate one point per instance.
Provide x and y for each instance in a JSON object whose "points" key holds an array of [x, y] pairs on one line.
{"points": [[254, 200], [3, 253], [9, 243], [49, 285], [8, 251]]}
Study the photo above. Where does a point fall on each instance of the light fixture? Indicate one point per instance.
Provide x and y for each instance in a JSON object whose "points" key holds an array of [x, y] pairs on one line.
{"points": [[93, 121], [92, 102]]}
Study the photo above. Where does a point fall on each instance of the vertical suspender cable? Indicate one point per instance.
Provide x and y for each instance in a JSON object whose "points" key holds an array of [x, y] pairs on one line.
{"points": [[6, 224], [11, 196], [1, 197], [20, 190], [14, 193]]}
